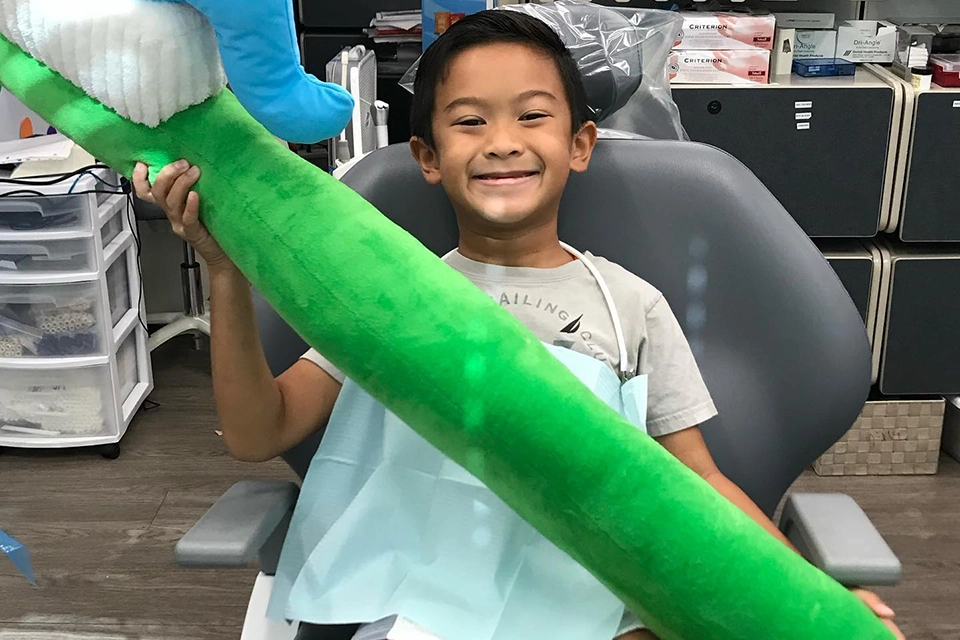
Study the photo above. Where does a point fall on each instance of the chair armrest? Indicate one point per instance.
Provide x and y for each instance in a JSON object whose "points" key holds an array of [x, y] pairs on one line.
{"points": [[232, 532], [833, 533]]}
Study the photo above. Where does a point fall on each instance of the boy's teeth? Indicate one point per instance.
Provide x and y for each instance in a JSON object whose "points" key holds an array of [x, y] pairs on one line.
{"points": [[500, 176]]}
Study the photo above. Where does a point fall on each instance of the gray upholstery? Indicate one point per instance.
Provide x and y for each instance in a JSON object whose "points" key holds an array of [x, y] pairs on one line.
{"points": [[781, 345], [833, 532], [237, 528]]}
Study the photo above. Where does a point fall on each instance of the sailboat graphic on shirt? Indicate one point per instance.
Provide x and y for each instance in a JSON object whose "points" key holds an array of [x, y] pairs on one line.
{"points": [[573, 327]]}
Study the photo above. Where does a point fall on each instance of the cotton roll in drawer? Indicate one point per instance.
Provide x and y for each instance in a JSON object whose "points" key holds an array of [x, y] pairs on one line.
{"points": [[37, 404], [51, 320]]}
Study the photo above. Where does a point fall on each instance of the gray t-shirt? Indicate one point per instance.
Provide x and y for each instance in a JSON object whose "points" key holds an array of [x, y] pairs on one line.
{"points": [[564, 306]]}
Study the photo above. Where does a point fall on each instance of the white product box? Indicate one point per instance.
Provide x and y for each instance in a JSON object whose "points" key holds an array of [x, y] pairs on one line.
{"points": [[718, 31], [806, 20], [781, 62], [719, 67], [811, 44], [867, 41]]}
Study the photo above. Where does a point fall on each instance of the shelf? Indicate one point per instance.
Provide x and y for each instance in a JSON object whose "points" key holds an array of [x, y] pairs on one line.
{"points": [[863, 79]]}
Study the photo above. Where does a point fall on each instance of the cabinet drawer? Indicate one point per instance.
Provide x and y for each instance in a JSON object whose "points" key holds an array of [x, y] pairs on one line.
{"points": [[55, 257], [119, 300], [128, 365], [112, 228], [51, 321], [46, 214], [44, 404], [42, 257]]}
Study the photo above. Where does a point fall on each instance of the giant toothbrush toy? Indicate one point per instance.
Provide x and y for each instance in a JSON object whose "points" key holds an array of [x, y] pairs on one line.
{"points": [[386, 311]]}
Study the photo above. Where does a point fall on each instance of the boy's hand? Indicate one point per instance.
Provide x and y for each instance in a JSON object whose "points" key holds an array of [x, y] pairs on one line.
{"points": [[171, 192], [883, 612]]}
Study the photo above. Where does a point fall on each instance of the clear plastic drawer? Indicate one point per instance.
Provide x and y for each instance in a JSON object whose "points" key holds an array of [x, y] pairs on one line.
{"points": [[112, 228], [39, 257], [47, 404], [128, 370], [51, 320], [118, 289], [47, 213]]}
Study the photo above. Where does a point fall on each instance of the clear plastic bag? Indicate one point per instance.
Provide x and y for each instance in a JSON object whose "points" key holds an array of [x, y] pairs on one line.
{"points": [[622, 54]]}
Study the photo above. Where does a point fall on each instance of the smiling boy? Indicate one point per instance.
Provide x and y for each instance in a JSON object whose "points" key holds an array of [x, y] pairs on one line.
{"points": [[499, 119]]}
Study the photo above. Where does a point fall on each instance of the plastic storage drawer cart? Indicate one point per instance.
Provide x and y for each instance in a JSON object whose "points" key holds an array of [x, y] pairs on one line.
{"points": [[74, 363]]}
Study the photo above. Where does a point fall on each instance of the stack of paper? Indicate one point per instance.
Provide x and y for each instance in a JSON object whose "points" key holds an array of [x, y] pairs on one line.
{"points": [[55, 147], [917, 56], [396, 26], [44, 156]]}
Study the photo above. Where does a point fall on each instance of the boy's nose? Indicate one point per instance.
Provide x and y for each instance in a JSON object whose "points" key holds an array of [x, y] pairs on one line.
{"points": [[502, 143]]}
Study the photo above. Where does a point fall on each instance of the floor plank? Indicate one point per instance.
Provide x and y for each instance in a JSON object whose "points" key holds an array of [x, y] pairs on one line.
{"points": [[101, 532], [54, 631]]}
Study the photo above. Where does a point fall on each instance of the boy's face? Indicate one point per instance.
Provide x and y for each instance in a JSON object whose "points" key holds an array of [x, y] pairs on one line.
{"points": [[503, 147]]}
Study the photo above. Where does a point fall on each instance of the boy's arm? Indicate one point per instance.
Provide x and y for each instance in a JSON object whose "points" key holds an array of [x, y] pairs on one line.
{"points": [[689, 447], [261, 416]]}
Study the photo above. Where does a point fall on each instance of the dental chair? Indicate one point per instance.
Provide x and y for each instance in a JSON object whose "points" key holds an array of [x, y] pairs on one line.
{"points": [[780, 344]]}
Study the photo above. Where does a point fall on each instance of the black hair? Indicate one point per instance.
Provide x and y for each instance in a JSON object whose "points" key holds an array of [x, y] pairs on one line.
{"points": [[490, 27]]}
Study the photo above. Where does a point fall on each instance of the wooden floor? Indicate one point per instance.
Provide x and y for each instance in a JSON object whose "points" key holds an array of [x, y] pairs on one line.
{"points": [[101, 532]]}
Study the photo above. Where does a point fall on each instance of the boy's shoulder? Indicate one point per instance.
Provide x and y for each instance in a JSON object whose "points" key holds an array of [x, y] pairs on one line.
{"points": [[626, 285]]}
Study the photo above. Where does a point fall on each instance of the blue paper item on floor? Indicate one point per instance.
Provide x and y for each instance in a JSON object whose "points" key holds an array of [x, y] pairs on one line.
{"points": [[18, 554]]}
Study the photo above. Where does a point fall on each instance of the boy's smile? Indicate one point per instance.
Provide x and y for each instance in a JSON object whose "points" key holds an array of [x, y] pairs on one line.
{"points": [[504, 143]]}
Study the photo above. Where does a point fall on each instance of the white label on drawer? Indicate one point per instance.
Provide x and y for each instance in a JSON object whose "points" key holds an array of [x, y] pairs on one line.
{"points": [[803, 126], [956, 104], [803, 105], [804, 115], [8, 264]]}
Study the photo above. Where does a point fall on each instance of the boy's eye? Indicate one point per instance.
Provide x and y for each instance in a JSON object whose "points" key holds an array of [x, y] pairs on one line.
{"points": [[536, 115], [469, 122]]}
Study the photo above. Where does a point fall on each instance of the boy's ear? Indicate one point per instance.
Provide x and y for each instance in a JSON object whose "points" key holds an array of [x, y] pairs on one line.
{"points": [[427, 158], [583, 143]]}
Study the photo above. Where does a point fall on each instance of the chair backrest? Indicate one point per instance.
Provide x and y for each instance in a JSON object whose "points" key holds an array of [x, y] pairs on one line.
{"points": [[780, 344]]}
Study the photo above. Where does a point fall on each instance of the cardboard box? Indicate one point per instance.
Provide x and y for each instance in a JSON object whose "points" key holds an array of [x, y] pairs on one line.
{"points": [[867, 41], [438, 15], [781, 62], [915, 36], [806, 20], [703, 31], [750, 66], [812, 44]]}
